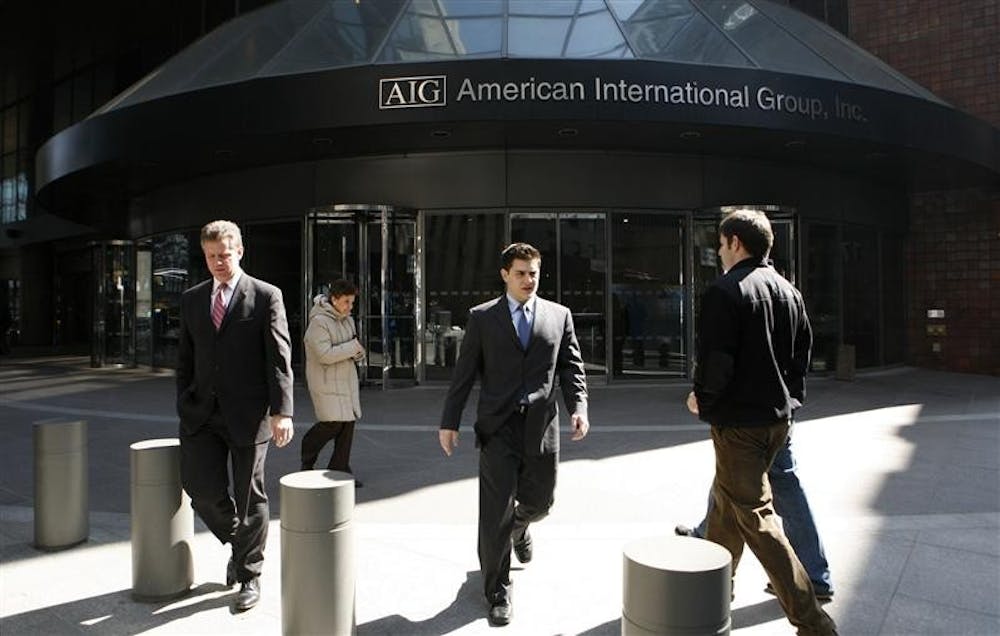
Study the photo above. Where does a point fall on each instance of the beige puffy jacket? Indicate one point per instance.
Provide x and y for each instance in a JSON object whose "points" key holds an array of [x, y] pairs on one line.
{"points": [[330, 369]]}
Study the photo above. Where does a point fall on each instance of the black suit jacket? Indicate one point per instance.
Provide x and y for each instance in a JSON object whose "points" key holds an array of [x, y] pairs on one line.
{"points": [[245, 366], [492, 352]]}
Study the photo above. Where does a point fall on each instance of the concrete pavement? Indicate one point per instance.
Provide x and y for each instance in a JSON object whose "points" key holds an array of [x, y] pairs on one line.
{"points": [[901, 467]]}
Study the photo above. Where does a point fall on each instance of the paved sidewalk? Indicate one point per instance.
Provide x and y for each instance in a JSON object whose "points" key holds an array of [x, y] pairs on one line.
{"points": [[901, 467]]}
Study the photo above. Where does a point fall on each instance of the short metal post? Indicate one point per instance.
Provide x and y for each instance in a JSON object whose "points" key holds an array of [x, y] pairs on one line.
{"points": [[61, 499], [676, 585], [317, 553], [162, 522]]}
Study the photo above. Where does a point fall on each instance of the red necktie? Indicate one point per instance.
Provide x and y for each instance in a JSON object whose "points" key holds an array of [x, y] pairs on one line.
{"points": [[219, 307]]}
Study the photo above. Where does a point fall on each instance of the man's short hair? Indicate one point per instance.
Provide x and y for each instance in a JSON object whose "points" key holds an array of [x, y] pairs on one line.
{"points": [[219, 230], [342, 287], [753, 229], [518, 251]]}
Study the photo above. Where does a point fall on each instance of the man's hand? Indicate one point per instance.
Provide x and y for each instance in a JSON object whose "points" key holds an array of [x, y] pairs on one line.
{"points": [[580, 427], [448, 440], [692, 403], [282, 430]]}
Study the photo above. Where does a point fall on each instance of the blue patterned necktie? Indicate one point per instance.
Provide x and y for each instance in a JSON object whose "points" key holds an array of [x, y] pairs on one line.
{"points": [[523, 327]]}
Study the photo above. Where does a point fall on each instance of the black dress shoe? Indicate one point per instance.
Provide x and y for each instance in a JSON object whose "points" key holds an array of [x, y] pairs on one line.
{"points": [[249, 594], [523, 549], [823, 596], [231, 572], [500, 612]]}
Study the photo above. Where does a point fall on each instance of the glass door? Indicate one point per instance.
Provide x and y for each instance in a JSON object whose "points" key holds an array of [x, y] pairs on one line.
{"points": [[113, 341], [648, 311], [574, 272], [374, 247]]}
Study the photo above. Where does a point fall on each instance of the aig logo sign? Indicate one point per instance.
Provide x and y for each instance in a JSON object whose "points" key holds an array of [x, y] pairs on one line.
{"points": [[412, 92]]}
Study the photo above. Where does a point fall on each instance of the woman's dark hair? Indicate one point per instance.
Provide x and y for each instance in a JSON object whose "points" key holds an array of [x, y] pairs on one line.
{"points": [[342, 287]]}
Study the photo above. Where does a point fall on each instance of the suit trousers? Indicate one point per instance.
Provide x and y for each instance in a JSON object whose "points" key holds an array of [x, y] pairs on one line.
{"points": [[743, 513], [241, 519], [342, 434], [507, 475]]}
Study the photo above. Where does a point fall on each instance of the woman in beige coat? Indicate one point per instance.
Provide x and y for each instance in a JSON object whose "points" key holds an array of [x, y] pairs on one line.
{"points": [[332, 348]]}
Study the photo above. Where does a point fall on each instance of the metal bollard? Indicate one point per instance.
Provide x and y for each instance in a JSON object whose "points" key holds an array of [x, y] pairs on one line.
{"points": [[676, 585], [162, 522], [61, 499], [317, 553]]}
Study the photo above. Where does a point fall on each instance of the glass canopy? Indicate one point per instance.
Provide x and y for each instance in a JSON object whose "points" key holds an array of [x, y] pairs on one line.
{"points": [[301, 36]]}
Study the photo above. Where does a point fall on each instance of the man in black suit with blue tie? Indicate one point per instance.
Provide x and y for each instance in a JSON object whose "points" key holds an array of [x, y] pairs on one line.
{"points": [[234, 395], [516, 345]]}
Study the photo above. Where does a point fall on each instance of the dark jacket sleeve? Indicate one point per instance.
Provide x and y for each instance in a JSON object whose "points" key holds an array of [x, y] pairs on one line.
{"points": [[718, 344], [467, 369], [796, 380], [278, 348], [572, 377]]}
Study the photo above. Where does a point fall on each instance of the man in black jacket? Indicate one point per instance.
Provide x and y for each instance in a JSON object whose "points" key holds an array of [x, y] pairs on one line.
{"points": [[753, 353]]}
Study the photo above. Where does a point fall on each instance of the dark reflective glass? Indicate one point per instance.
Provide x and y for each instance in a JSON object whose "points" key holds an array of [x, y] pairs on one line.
{"points": [[647, 296], [821, 271], [674, 30], [276, 248], [461, 270], [565, 29], [437, 30], [770, 46], [861, 303], [342, 33]]}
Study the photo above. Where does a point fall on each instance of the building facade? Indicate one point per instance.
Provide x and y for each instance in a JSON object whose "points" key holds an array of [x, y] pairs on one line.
{"points": [[402, 143]]}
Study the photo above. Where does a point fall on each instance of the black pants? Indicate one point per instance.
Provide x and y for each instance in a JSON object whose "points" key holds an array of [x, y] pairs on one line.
{"points": [[342, 434], [507, 474], [241, 519]]}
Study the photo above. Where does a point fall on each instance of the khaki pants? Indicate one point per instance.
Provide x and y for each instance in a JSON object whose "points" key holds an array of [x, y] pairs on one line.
{"points": [[743, 514]]}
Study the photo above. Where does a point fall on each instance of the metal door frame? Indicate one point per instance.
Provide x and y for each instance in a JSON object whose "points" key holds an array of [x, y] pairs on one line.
{"points": [[360, 217]]}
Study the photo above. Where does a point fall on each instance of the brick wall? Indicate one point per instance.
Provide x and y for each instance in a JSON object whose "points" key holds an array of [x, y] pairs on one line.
{"points": [[953, 262], [951, 47]]}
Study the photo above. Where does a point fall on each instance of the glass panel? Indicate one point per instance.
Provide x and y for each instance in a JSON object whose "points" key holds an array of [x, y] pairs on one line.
{"points": [[822, 292], [113, 309], [783, 250], [674, 30], [461, 260], [564, 28], [371, 319], [178, 263], [647, 295], [443, 29], [893, 299], [769, 45], [861, 269], [343, 33], [584, 267], [400, 298], [540, 230], [274, 251], [335, 255], [143, 305]]}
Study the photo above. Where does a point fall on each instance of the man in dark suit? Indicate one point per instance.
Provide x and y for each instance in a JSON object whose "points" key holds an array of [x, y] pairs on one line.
{"points": [[516, 345], [234, 394]]}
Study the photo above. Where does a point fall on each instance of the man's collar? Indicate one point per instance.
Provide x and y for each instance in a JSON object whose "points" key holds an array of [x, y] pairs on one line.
{"points": [[512, 304], [231, 284]]}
